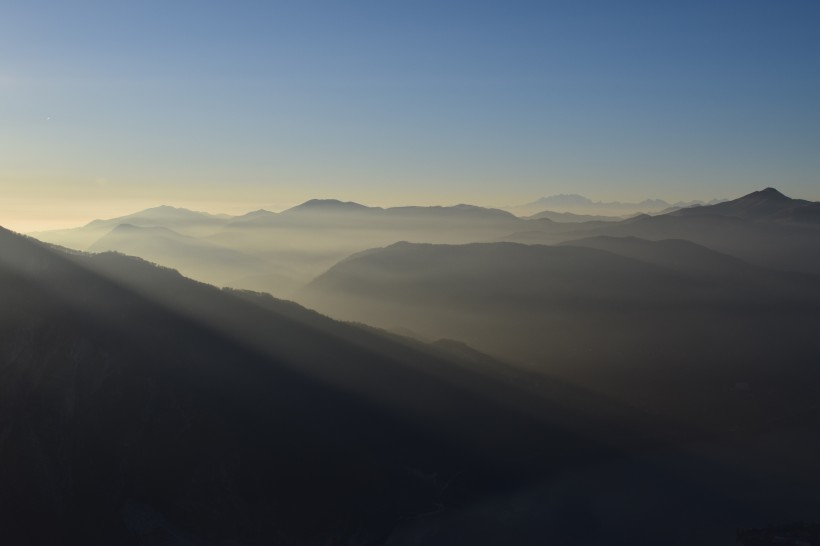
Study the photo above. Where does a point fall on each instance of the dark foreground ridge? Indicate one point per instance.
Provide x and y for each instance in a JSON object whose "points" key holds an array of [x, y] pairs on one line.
{"points": [[613, 390], [797, 534], [139, 407]]}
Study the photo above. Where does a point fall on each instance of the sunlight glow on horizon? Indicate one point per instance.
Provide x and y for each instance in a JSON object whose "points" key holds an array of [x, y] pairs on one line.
{"points": [[114, 109], [33, 214]]}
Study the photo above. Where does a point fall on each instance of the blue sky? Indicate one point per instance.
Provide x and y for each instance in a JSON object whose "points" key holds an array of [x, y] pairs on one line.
{"points": [[108, 106]]}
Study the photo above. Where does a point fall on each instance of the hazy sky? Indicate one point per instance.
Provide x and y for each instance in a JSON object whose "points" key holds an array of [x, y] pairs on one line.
{"points": [[106, 107]]}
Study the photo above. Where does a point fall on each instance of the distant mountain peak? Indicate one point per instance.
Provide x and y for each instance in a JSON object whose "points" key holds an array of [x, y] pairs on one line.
{"points": [[768, 197], [578, 204], [768, 193], [168, 209], [257, 213], [158, 213], [328, 204], [766, 205]]}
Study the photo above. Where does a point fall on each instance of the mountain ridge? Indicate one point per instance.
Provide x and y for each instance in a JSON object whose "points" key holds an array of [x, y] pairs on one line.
{"points": [[768, 204], [579, 204], [765, 228], [229, 415]]}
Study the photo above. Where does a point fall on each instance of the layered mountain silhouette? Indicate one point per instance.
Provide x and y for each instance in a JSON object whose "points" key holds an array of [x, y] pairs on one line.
{"points": [[765, 228], [348, 214], [768, 205], [580, 205], [328, 206], [648, 374], [194, 257], [183, 221], [649, 322], [172, 217], [140, 407], [676, 254], [278, 252], [670, 327]]}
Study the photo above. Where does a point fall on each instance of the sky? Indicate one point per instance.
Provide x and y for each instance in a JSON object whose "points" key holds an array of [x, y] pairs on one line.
{"points": [[110, 107]]}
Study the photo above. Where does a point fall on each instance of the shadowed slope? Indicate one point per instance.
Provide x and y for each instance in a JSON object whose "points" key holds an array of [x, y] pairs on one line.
{"points": [[675, 254], [678, 331], [141, 407], [765, 228], [764, 205], [184, 221], [678, 319], [196, 258], [278, 252]]}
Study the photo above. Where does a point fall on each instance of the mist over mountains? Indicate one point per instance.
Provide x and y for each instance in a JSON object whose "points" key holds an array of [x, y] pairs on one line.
{"points": [[278, 252], [765, 228], [475, 377], [580, 205], [609, 314], [173, 411], [409, 273], [290, 248], [142, 407]]}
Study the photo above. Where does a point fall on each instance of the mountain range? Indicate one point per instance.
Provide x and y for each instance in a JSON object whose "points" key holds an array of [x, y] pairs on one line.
{"points": [[141, 407], [175, 412], [277, 252], [580, 205], [281, 252], [606, 382], [670, 327], [765, 228]]}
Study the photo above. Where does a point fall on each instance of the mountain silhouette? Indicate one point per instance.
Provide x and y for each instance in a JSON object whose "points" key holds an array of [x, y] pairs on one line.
{"points": [[676, 254], [302, 242], [138, 406], [327, 206], [255, 214], [578, 204], [346, 214], [179, 219], [194, 257], [279, 252], [764, 205], [183, 221], [647, 322], [141, 407], [765, 228]]}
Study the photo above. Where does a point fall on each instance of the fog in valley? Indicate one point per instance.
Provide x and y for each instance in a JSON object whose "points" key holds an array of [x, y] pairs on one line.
{"points": [[409, 273], [279, 252], [464, 362]]}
